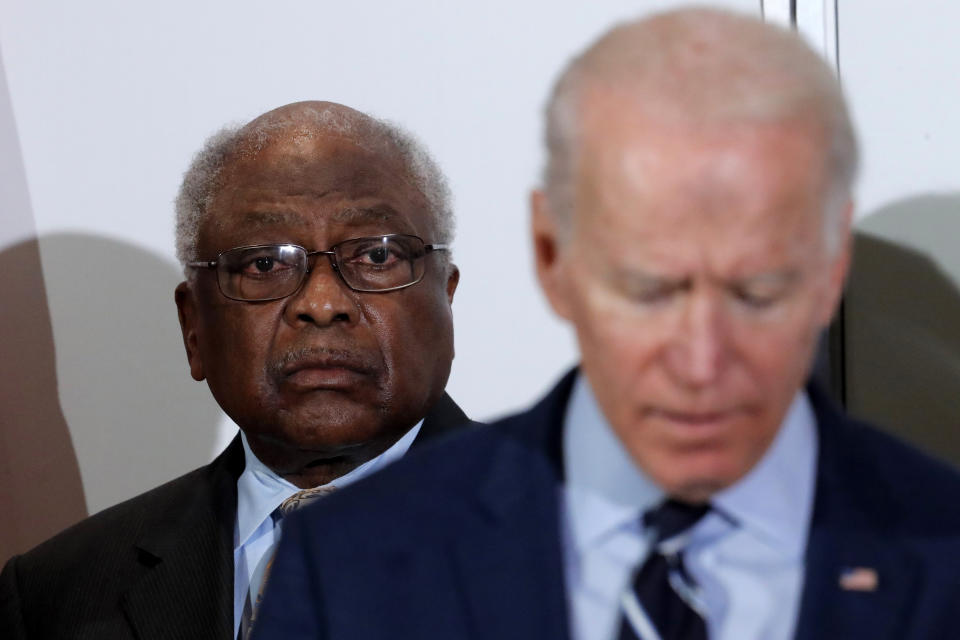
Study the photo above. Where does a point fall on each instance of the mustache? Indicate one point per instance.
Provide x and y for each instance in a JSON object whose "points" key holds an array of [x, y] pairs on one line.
{"points": [[298, 358]]}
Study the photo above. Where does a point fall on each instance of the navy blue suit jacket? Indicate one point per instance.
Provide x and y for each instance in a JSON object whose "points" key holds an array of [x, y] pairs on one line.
{"points": [[461, 540]]}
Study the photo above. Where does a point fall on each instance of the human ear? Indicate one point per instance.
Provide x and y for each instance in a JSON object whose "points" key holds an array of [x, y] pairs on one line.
{"points": [[453, 279], [545, 231], [189, 327], [839, 266]]}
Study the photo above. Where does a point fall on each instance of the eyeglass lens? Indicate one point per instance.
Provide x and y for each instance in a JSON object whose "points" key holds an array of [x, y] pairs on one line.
{"points": [[270, 272]]}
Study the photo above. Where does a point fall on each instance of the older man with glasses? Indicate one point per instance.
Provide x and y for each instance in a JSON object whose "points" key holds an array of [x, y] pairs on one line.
{"points": [[317, 307]]}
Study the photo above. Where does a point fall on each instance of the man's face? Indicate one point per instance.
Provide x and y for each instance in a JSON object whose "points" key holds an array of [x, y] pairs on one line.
{"points": [[327, 371], [697, 278]]}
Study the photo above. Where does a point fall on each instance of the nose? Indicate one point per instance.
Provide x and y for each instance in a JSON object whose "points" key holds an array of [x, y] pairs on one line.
{"points": [[700, 347], [323, 299]]}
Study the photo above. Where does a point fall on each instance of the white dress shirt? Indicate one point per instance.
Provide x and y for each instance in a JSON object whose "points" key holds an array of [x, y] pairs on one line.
{"points": [[746, 555], [256, 533]]}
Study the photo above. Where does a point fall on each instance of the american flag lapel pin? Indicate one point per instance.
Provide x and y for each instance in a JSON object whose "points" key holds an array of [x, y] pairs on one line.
{"points": [[859, 579]]}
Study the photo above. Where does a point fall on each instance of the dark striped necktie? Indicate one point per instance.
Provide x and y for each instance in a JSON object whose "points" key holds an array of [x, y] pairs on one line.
{"points": [[661, 594]]}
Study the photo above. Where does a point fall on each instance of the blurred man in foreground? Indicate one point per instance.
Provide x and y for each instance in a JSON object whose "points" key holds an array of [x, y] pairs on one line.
{"points": [[317, 306], [683, 482]]}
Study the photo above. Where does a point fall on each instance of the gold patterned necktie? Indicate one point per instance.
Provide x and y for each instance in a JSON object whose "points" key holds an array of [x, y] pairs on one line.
{"points": [[302, 498], [297, 501]]}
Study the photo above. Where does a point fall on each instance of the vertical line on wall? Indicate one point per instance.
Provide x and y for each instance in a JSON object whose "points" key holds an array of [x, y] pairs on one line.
{"points": [[776, 11], [818, 21], [838, 332], [834, 12]]}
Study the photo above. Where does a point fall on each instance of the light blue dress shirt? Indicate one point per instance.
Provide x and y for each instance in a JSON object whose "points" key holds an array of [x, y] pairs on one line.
{"points": [[256, 533], [746, 555]]}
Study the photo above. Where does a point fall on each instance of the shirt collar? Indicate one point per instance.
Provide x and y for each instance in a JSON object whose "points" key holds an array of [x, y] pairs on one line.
{"points": [[605, 490], [260, 490], [774, 501]]}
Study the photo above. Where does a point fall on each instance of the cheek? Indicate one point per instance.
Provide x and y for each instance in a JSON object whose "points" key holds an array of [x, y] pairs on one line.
{"points": [[778, 351], [613, 325], [618, 344], [414, 333], [238, 340]]}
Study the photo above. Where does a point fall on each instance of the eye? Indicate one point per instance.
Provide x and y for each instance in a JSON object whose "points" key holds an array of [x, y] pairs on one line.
{"points": [[653, 291], [263, 263], [377, 254], [755, 301], [380, 255], [758, 297], [654, 294]]}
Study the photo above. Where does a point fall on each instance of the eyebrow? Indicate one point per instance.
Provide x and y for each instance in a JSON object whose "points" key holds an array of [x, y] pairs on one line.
{"points": [[365, 215], [637, 282], [642, 279], [645, 278], [272, 218], [354, 216], [781, 278]]}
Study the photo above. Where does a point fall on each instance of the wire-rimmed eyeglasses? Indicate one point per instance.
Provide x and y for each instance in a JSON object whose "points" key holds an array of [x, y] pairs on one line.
{"points": [[272, 271]]}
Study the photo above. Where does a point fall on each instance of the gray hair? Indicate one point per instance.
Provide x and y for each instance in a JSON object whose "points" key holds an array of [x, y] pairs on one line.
{"points": [[704, 65], [203, 178]]}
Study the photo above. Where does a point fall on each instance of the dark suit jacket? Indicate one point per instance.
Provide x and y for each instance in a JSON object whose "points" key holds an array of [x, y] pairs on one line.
{"points": [[461, 540], [157, 566]]}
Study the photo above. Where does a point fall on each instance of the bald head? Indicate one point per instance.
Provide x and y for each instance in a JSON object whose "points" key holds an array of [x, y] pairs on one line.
{"points": [[302, 122], [697, 69], [298, 125]]}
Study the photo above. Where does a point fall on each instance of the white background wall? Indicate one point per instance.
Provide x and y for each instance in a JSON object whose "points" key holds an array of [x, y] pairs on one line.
{"points": [[900, 65], [111, 99]]}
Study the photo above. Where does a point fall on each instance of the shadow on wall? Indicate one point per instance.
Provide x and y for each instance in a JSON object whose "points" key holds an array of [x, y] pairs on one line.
{"points": [[40, 489], [136, 416], [902, 322]]}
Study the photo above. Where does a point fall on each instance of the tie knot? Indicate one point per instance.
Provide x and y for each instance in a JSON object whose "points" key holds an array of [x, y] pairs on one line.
{"points": [[673, 517], [304, 497]]}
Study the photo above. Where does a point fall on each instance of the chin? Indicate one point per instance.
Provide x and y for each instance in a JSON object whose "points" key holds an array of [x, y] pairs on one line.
{"points": [[335, 437], [696, 479], [322, 432], [696, 491]]}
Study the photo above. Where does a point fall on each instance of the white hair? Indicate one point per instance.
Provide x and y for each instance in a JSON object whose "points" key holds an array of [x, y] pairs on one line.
{"points": [[202, 180], [704, 65]]}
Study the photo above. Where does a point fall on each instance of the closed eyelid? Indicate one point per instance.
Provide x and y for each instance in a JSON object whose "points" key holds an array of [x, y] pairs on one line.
{"points": [[765, 290], [645, 285], [767, 281]]}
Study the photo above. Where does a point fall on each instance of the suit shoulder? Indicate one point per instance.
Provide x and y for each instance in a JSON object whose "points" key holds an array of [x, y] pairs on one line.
{"points": [[75, 581], [111, 531], [440, 479], [923, 486], [460, 458]]}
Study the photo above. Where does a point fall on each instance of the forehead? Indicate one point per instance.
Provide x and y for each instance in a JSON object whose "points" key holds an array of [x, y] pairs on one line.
{"points": [[700, 188], [319, 182]]}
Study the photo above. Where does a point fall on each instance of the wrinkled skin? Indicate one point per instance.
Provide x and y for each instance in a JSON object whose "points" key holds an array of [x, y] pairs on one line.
{"points": [[327, 378], [697, 277]]}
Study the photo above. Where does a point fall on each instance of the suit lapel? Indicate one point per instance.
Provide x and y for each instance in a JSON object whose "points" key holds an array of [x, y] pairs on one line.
{"points": [[187, 554], [858, 578], [444, 417], [511, 565]]}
